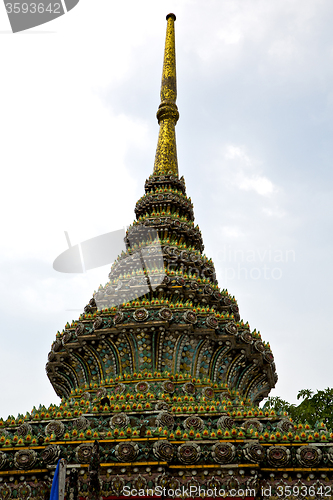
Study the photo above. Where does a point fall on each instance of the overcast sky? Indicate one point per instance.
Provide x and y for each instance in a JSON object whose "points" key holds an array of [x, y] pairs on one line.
{"points": [[78, 136]]}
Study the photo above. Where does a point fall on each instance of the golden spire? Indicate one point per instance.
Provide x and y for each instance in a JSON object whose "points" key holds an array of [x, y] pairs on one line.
{"points": [[167, 114]]}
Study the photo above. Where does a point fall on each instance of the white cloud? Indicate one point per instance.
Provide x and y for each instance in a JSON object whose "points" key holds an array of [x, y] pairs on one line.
{"points": [[259, 184], [232, 232], [244, 172], [274, 212], [237, 152]]}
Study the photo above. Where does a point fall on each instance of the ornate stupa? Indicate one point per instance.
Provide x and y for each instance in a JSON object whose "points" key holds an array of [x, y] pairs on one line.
{"points": [[162, 310], [160, 378]]}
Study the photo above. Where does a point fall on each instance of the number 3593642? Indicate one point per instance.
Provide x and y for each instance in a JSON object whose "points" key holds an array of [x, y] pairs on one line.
{"points": [[33, 8], [303, 491]]}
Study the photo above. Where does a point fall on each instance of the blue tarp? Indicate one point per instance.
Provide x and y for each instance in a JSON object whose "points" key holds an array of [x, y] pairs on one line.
{"points": [[55, 484]]}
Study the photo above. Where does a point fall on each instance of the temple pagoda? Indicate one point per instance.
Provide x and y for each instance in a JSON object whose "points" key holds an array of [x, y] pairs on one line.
{"points": [[160, 378]]}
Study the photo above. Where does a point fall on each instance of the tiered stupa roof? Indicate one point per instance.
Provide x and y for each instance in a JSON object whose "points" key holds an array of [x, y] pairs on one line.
{"points": [[159, 377], [162, 309]]}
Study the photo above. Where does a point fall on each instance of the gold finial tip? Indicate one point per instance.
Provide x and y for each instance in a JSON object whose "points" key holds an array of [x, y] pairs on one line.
{"points": [[171, 15]]}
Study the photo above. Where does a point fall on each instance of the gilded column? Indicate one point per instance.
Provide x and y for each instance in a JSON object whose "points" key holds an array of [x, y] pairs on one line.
{"points": [[167, 115]]}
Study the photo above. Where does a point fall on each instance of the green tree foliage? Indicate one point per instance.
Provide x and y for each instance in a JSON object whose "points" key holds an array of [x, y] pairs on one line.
{"points": [[315, 407]]}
